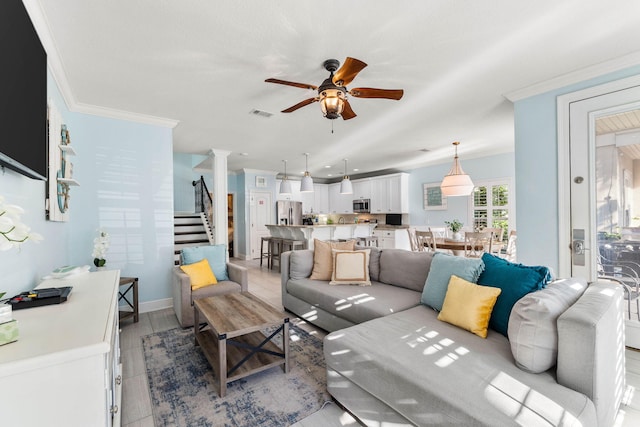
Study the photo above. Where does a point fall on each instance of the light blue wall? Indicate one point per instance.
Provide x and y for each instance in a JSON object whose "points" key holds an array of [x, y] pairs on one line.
{"points": [[485, 168], [536, 161], [126, 187]]}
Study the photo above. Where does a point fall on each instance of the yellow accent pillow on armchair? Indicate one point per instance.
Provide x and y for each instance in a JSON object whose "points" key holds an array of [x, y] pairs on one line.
{"points": [[200, 274], [468, 305]]}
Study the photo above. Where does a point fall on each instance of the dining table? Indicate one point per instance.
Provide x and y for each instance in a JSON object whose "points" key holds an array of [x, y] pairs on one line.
{"points": [[457, 247]]}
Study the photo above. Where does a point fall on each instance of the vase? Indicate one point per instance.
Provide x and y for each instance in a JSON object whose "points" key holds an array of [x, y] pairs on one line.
{"points": [[101, 268], [456, 236]]}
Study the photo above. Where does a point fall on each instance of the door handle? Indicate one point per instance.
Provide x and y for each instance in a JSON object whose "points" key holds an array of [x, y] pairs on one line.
{"points": [[578, 247]]}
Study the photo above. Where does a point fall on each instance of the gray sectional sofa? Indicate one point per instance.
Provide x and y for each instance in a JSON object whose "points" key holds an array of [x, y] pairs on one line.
{"points": [[390, 360]]}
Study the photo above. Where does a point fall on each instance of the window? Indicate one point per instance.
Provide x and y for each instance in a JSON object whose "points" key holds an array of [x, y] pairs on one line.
{"points": [[492, 206]]}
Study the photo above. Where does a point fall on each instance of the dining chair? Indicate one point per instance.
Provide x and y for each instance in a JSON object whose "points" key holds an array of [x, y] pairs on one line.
{"points": [[496, 237], [413, 240], [510, 252], [439, 232], [477, 243], [426, 241], [625, 273]]}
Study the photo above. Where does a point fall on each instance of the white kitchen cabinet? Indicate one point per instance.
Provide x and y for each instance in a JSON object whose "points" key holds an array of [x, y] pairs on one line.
{"points": [[295, 195], [339, 203], [397, 238], [361, 189], [390, 194], [316, 202], [65, 368]]}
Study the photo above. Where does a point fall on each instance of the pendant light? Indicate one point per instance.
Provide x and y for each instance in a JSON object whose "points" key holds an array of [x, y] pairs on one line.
{"points": [[456, 182], [307, 182], [285, 184], [345, 186]]}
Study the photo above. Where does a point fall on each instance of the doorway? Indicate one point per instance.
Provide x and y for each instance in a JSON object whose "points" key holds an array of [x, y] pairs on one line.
{"points": [[597, 177], [260, 214]]}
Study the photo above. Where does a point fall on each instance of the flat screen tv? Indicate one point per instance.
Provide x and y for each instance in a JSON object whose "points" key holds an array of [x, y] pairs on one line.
{"points": [[23, 93]]}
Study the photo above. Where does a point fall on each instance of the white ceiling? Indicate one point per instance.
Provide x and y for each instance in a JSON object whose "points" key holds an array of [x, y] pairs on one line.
{"points": [[204, 62]]}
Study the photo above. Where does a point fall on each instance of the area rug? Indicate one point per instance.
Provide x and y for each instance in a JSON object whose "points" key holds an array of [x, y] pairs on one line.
{"points": [[184, 393]]}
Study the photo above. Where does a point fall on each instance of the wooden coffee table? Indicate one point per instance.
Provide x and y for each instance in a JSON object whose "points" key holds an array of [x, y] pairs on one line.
{"points": [[230, 335]]}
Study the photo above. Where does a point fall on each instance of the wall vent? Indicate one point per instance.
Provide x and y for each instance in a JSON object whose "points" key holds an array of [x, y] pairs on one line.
{"points": [[261, 113]]}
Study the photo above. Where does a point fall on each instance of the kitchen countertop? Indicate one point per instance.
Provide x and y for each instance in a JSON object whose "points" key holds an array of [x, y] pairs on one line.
{"points": [[391, 227]]}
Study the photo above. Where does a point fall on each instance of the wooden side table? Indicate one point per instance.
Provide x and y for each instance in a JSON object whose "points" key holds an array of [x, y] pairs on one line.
{"points": [[123, 296]]}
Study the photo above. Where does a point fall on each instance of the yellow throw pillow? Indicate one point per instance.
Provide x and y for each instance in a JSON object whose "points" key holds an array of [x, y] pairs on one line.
{"points": [[350, 267], [323, 259], [200, 274], [468, 305]]}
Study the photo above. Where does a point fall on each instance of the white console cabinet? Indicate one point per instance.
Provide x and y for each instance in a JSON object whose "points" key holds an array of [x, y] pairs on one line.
{"points": [[65, 368]]}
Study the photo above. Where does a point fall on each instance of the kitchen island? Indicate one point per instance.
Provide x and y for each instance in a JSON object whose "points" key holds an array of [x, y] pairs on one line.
{"points": [[322, 232]]}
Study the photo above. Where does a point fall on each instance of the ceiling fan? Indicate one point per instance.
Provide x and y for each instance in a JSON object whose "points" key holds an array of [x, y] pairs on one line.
{"points": [[332, 93]]}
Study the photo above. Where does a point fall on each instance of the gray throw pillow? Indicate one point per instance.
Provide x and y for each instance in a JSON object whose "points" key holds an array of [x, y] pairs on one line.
{"points": [[533, 331], [404, 268]]}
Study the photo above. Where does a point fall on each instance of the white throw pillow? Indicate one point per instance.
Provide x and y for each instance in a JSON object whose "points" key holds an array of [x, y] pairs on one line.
{"points": [[350, 268], [533, 331]]}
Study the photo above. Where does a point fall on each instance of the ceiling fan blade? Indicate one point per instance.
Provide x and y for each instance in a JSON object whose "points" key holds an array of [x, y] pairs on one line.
{"points": [[367, 92], [347, 112], [284, 82], [300, 105], [348, 71]]}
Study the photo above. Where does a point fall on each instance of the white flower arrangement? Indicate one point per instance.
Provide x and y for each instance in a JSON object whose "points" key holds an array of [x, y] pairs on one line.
{"points": [[100, 246], [13, 232]]}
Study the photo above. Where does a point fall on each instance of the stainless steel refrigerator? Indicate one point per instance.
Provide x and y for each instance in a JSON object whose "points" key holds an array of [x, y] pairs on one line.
{"points": [[288, 212]]}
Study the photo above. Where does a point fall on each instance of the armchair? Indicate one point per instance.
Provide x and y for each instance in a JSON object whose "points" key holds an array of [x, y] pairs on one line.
{"points": [[183, 296]]}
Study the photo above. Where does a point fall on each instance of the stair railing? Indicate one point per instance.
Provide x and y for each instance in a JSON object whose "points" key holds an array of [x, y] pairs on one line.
{"points": [[203, 201]]}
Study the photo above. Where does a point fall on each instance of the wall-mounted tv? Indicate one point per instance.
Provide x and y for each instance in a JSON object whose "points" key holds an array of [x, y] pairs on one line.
{"points": [[23, 93]]}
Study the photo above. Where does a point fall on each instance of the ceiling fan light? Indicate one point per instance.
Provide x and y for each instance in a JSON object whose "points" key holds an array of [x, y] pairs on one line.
{"points": [[332, 103], [456, 182]]}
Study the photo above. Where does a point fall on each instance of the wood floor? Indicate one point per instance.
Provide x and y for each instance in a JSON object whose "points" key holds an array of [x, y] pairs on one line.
{"points": [[136, 403]]}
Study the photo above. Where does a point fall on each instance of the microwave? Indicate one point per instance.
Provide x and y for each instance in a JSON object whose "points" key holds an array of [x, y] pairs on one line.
{"points": [[362, 206]]}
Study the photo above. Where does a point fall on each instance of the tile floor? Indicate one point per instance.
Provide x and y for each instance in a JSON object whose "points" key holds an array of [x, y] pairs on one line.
{"points": [[136, 403]]}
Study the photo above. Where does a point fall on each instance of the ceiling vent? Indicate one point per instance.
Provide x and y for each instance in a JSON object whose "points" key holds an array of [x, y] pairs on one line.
{"points": [[261, 113]]}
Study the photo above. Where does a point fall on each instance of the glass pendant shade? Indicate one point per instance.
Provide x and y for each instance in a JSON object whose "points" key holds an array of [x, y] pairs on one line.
{"points": [[345, 186], [456, 182], [285, 184], [332, 103], [306, 186]]}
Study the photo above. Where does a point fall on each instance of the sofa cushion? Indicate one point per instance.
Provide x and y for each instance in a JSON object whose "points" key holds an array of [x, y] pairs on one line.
{"points": [[350, 268], [404, 268], [434, 373], [468, 305], [515, 280], [300, 264], [374, 261], [200, 274], [443, 267], [353, 303], [215, 254], [322, 258], [533, 331]]}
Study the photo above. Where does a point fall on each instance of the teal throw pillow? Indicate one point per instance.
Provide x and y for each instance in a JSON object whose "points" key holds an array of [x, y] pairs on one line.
{"points": [[443, 266], [216, 255], [515, 280]]}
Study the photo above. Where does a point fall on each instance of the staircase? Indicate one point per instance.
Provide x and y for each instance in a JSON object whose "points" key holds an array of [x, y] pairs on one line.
{"points": [[190, 229]]}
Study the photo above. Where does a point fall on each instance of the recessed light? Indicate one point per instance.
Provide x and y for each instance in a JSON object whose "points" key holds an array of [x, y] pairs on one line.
{"points": [[356, 170], [329, 174], [328, 166]]}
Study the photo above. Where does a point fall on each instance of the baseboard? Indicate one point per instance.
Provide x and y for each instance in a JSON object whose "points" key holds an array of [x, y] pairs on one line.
{"points": [[159, 304]]}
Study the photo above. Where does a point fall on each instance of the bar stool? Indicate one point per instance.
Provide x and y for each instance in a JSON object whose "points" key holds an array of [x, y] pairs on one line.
{"points": [[368, 241], [275, 248], [266, 254]]}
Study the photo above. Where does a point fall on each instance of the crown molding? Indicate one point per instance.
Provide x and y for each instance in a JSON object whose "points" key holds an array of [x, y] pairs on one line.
{"points": [[259, 171], [56, 67], [583, 74]]}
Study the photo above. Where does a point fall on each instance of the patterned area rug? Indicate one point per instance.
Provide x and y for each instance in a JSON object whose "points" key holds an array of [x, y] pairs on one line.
{"points": [[184, 392]]}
